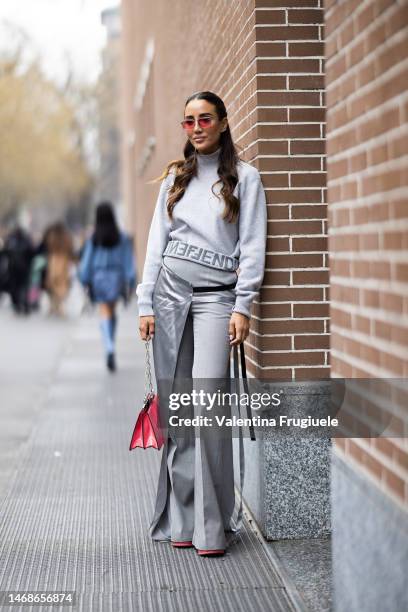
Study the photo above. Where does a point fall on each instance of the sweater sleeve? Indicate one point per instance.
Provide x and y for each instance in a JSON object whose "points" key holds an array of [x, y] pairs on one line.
{"points": [[252, 239], [156, 243]]}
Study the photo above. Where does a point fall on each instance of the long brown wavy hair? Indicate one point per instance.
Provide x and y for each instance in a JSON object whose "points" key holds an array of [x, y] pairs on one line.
{"points": [[186, 168]]}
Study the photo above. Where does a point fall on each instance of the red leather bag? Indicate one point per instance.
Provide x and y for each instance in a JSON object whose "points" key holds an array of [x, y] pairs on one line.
{"points": [[147, 432]]}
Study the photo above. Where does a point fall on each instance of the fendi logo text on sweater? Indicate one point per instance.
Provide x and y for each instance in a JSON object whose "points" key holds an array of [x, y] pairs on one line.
{"points": [[184, 250]]}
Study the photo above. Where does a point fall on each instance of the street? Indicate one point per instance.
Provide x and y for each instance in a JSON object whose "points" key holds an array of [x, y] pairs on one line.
{"points": [[76, 504]]}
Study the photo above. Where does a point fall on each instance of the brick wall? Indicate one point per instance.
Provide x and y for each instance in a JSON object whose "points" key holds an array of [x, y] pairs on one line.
{"points": [[265, 59], [367, 155], [289, 149]]}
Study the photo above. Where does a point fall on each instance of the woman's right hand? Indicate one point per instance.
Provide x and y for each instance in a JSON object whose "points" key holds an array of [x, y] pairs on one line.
{"points": [[146, 327]]}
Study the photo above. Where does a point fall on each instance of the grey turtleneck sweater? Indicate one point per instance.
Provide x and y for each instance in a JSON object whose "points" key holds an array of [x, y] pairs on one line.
{"points": [[197, 220]]}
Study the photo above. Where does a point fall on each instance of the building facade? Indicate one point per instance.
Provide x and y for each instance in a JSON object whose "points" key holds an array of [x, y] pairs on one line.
{"points": [[108, 177]]}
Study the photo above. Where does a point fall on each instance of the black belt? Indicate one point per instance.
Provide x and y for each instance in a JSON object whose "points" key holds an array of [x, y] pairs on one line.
{"points": [[214, 287]]}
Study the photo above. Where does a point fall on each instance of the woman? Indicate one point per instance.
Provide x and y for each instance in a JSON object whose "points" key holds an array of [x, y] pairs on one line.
{"points": [[196, 242], [18, 254], [107, 269], [60, 257]]}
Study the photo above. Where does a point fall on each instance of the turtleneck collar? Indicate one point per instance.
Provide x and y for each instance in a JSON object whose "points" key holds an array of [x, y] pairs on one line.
{"points": [[209, 159]]}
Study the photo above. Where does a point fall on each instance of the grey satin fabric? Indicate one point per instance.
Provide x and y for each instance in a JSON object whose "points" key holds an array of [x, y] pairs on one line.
{"points": [[195, 493]]}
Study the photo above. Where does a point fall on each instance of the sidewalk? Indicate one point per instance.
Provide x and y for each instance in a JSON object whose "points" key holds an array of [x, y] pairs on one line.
{"points": [[74, 515]]}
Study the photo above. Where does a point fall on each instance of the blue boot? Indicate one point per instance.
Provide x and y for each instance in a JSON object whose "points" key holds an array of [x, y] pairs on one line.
{"points": [[105, 326]]}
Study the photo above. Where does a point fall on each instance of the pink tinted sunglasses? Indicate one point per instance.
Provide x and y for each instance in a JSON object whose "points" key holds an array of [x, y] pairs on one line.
{"points": [[203, 122]]}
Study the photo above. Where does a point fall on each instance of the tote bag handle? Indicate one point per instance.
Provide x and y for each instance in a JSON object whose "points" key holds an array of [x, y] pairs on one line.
{"points": [[245, 381]]}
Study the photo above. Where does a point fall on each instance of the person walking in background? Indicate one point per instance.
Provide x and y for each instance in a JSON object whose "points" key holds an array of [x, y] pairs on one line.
{"points": [[4, 268], [60, 256], [107, 270], [20, 250], [38, 272]]}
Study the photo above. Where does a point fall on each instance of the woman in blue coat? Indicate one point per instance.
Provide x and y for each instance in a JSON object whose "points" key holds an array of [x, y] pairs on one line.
{"points": [[107, 269]]}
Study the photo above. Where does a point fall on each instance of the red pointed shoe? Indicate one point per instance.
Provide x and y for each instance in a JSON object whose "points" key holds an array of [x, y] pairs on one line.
{"points": [[210, 553], [186, 544]]}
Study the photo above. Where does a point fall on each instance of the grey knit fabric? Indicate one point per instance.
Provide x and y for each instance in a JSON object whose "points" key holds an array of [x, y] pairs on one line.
{"points": [[198, 221]]}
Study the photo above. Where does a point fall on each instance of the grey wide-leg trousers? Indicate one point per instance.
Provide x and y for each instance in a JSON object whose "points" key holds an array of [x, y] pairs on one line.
{"points": [[195, 496]]}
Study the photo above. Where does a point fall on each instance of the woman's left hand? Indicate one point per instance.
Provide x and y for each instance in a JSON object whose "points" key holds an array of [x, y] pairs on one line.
{"points": [[238, 328]]}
